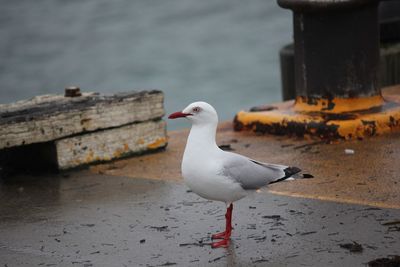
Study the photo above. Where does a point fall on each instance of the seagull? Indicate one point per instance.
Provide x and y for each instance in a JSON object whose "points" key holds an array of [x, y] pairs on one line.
{"points": [[219, 175]]}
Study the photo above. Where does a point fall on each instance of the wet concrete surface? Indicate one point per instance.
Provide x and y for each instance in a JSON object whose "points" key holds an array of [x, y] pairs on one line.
{"points": [[370, 176], [86, 219]]}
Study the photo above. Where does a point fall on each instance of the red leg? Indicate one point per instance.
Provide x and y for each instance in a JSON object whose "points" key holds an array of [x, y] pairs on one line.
{"points": [[225, 236], [228, 226]]}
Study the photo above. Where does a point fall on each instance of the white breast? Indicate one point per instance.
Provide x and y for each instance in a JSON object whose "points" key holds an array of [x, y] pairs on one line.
{"points": [[203, 176]]}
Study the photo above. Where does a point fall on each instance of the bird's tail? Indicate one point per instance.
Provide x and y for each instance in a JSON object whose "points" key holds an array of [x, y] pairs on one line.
{"points": [[293, 173], [290, 171]]}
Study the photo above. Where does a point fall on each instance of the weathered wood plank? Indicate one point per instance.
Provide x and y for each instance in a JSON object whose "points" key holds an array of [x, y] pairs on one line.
{"points": [[110, 144], [52, 117]]}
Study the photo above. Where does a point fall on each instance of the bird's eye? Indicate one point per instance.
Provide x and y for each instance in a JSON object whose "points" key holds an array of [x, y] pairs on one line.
{"points": [[196, 109]]}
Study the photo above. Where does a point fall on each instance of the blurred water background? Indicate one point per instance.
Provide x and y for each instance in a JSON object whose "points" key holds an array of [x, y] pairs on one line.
{"points": [[224, 52]]}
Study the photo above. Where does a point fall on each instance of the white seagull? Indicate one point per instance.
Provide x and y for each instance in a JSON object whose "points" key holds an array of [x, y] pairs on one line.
{"points": [[220, 175]]}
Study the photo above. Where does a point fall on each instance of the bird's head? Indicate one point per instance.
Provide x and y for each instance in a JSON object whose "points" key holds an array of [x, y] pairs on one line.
{"points": [[197, 113]]}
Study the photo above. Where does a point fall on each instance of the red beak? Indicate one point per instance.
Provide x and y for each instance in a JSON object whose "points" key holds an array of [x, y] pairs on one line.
{"points": [[178, 114]]}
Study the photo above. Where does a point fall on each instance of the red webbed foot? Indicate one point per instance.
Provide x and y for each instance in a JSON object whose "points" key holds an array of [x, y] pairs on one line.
{"points": [[224, 243], [221, 235]]}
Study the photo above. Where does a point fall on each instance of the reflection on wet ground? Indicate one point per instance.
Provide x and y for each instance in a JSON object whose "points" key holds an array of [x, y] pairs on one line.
{"points": [[81, 219]]}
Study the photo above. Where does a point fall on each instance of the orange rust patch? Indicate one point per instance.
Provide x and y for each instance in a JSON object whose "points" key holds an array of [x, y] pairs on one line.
{"points": [[140, 141], [126, 147], [89, 157], [118, 152], [159, 142]]}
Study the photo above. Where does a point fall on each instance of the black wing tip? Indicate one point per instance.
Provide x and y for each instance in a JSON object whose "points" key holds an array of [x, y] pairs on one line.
{"points": [[290, 171]]}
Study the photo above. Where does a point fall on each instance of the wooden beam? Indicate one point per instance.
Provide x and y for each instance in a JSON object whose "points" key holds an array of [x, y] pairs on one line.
{"points": [[105, 145], [51, 117]]}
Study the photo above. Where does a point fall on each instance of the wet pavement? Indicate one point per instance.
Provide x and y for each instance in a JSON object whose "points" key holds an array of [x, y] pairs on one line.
{"points": [[86, 219], [369, 176]]}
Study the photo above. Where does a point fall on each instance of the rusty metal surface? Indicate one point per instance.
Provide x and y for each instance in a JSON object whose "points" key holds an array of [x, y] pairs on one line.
{"points": [[80, 219], [337, 118]]}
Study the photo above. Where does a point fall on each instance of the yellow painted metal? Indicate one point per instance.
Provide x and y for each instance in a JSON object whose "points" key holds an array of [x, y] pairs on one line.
{"points": [[337, 105], [351, 118]]}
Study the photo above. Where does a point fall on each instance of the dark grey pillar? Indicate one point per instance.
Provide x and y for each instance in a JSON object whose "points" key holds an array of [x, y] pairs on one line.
{"points": [[336, 47]]}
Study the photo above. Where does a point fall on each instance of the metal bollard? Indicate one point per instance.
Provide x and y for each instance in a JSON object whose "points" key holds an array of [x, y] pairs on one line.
{"points": [[389, 74], [389, 19], [337, 53], [336, 46], [286, 55]]}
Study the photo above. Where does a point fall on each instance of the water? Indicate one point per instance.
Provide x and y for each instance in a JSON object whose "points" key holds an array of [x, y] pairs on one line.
{"points": [[222, 51]]}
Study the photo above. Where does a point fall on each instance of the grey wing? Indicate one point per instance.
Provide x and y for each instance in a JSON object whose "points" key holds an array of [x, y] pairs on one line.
{"points": [[252, 174]]}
